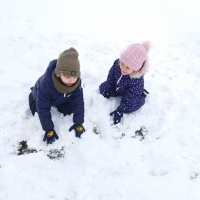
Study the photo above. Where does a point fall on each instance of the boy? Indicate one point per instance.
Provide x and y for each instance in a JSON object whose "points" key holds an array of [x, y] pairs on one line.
{"points": [[59, 86]]}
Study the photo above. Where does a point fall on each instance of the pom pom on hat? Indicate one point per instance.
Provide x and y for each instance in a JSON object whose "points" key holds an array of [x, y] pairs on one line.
{"points": [[135, 55], [146, 45]]}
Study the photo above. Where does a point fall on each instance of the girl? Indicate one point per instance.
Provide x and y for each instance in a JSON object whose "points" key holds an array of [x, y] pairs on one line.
{"points": [[126, 79]]}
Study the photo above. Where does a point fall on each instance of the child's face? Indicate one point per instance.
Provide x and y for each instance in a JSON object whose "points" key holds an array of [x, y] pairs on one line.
{"points": [[68, 80], [125, 70]]}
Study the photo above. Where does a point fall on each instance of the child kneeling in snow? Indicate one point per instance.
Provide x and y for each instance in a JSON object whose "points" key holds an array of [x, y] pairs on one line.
{"points": [[125, 79], [59, 86]]}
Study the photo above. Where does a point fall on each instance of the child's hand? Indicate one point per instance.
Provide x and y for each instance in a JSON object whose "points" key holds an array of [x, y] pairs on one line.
{"points": [[50, 136], [117, 116], [79, 129]]}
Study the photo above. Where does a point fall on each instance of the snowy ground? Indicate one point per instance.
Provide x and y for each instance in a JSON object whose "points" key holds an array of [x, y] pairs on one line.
{"points": [[109, 162]]}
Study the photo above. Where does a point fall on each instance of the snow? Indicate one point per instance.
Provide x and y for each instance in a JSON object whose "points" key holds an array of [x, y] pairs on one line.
{"points": [[113, 164]]}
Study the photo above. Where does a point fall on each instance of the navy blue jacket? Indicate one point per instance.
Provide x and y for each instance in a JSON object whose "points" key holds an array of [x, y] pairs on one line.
{"points": [[129, 88], [46, 96]]}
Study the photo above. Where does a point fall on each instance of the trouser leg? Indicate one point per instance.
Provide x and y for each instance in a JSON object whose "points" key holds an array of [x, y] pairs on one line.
{"points": [[32, 104]]}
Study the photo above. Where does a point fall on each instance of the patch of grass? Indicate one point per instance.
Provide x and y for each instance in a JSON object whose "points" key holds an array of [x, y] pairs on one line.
{"points": [[194, 175], [23, 148], [56, 154], [141, 133], [97, 131]]}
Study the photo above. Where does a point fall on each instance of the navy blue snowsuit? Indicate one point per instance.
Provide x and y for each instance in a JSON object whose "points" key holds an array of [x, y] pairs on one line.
{"points": [[130, 89], [46, 96]]}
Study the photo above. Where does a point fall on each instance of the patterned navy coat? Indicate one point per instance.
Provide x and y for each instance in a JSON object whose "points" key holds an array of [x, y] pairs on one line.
{"points": [[46, 96], [129, 88]]}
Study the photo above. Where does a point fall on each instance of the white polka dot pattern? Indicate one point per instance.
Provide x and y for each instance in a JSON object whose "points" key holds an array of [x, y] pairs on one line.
{"points": [[130, 89]]}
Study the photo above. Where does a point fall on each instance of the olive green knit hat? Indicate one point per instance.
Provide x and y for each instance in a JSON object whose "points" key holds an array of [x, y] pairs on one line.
{"points": [[68, 63]]}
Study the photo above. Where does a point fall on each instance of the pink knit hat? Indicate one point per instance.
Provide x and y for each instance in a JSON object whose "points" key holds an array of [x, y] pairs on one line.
{"points": [[135, 55]]}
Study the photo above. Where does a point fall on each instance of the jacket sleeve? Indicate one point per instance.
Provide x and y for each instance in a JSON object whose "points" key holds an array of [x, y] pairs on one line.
{"points": [[110, 83], [133, 99], [111, 75], [77, 101], [43, 95], [43, 104]]}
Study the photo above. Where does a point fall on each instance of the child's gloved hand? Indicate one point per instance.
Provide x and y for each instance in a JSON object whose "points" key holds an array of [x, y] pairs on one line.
{"points": [[79, 129], [118, 115], [50, 136]]}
